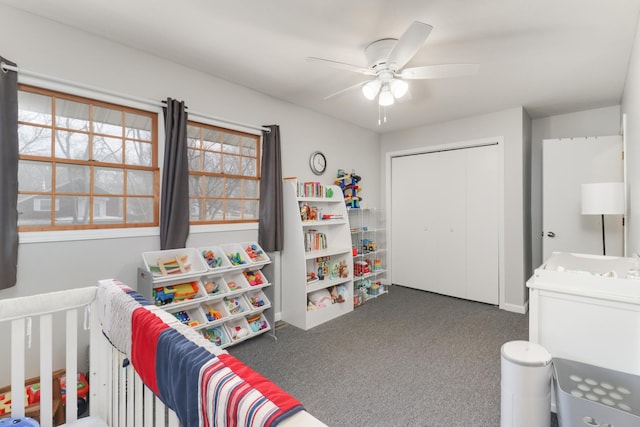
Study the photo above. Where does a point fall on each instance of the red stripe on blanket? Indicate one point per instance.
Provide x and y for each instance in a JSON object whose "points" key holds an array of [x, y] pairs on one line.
{"points": [[234, 401], [208, 373], [268, 388], [145, 330]]}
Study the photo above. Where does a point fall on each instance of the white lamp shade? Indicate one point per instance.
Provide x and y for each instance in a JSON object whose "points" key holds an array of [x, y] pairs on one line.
{"points": [[399, 88], [371, 89], [386, 97], [603, 198]]}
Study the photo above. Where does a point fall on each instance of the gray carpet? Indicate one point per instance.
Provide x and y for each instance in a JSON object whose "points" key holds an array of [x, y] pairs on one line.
{"points": [[409, 358]]}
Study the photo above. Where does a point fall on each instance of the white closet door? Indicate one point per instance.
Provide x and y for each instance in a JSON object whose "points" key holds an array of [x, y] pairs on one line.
{"points": [[444, 222], [482, 224], [452, 228], [414, 213]]}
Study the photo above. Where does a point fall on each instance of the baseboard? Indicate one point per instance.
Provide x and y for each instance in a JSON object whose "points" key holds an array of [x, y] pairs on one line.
{"points": [[522, 309]]}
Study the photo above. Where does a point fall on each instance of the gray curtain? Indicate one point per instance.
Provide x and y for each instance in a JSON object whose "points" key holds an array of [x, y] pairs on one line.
{"points": [[8, 176], [174, 208], [270, 226]]}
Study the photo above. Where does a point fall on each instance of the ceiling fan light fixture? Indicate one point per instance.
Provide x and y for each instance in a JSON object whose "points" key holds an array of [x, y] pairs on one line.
{"points": [[399, 88], [386, 97], [371, 89]]}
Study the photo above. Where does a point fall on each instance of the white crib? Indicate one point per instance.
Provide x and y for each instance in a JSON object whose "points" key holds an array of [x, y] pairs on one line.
{"points": [[117, 395]]}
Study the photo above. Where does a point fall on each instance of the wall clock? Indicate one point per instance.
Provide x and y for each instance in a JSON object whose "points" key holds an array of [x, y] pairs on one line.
{"points": [[318, 162]]}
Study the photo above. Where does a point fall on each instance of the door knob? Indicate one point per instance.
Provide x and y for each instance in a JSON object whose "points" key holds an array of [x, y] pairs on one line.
{"points": [[551, 234]]}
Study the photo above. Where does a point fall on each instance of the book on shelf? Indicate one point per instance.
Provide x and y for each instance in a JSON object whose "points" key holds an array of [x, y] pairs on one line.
{"points": [[315, 240], [332, 216], [311, 189]]}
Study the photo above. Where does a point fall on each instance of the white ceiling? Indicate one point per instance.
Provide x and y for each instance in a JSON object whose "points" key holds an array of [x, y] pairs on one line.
{"points": [[550, 56]]}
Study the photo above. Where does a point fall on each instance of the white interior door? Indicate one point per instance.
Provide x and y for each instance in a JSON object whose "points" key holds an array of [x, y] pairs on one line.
{"points": [[444, 222], [452, 217], [414, 254], [482, 224], [566, 165]]}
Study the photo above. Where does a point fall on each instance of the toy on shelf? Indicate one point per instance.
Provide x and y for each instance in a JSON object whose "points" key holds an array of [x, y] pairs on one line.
{"points": [[360, 268], [320, 298], [234, 305], [256, 323], [215, 335], [374, 288], [212, 260], [309, 213], [236, 259], [312, 278], [212, 287], [212, 314], [238, 332], [343, 270], [169, 266], [255, 253], [336, 298], [322, 264], [253, 277], [175, 293], [349, 185], [377, 264], [369, 245], [182, 316], [256, 301]]}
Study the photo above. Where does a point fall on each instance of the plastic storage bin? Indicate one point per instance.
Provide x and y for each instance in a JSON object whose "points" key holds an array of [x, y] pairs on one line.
{"points": [[526, 385], [594, 396]]}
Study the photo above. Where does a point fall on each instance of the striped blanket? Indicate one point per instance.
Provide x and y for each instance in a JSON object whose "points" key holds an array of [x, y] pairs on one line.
{"points": [[203, 384]]}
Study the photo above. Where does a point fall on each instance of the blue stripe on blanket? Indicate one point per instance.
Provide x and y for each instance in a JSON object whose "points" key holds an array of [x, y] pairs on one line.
{"points": [[178, 363], [137, 296]]}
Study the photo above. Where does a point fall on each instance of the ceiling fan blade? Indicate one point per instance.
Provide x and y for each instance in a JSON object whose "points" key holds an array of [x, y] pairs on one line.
{"points": [[355, 86], [408, 44], [343, 66], [440, 71]]}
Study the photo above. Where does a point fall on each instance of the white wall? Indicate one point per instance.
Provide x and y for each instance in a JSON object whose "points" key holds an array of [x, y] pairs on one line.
{"points": [[597, 122], [55, 50], [508, 124], [631, 108]]}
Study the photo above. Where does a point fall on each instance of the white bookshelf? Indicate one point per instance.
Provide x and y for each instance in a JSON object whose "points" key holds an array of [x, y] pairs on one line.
{"points": [[298, 262]]}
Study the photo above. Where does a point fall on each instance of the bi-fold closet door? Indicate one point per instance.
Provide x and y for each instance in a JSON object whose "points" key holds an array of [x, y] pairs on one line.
{"points": [[444, 222]]}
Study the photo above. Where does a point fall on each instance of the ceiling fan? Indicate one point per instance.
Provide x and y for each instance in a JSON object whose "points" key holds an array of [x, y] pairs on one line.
{"points": [[385, 61]]}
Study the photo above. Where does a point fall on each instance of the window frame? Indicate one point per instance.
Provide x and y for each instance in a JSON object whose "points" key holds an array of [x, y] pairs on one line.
{"points": [[202, 198], [92, 195]]}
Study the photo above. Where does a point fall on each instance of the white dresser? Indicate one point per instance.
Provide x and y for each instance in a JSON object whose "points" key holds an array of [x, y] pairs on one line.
{"points": [[587, 308]]}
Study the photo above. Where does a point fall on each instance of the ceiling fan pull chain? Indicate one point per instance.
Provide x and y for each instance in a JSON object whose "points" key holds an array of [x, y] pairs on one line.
{"points": [[379, 122]]}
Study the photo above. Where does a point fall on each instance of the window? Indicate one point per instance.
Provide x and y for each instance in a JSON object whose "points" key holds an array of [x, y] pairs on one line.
{"points": [[224, 175], [84, 164]]}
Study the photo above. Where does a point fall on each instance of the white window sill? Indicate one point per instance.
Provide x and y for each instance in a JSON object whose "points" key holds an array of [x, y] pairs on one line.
{"points": [[119, 233], [71, 235]]}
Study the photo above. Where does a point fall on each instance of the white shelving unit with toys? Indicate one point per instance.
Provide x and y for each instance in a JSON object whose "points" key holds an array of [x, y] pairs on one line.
{"points": [[219, 291], [368, 239], [318, 283]]}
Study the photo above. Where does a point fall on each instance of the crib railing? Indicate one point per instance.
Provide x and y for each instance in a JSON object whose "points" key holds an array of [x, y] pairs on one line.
{"points": [[117, 395]]}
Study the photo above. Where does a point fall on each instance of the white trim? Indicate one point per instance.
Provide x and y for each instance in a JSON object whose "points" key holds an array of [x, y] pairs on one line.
{"points": [[96, 234], [514, 308], [499, 140], [214, 228], [119, 233], [627, 215]]}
